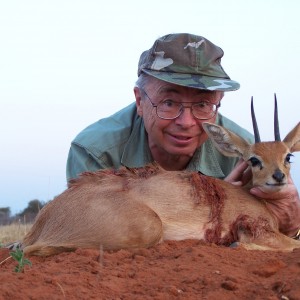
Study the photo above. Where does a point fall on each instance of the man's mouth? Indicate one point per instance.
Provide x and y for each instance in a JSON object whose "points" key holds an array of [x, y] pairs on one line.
{"points": [[183, 138]]}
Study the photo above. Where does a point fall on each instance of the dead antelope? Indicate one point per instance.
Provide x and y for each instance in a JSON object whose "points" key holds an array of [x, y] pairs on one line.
{"points": [[141, 207]]}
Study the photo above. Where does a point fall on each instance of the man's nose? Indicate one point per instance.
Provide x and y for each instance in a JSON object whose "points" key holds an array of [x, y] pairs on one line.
{"points": [[186, 117]]}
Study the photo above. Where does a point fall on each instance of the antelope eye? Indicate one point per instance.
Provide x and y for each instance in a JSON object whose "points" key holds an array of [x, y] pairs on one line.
{"points": [[255, 162], [288, 158]]}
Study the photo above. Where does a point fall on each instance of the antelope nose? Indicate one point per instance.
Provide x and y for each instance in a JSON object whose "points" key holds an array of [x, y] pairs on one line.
{"points": [[278, 176]]}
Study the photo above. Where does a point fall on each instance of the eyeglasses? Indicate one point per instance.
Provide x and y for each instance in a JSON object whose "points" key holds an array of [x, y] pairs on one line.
{"points": [[169, 109]]}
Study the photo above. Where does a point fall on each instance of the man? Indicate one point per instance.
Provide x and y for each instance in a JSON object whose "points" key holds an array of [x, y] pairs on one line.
{"points": [[180, 85]]}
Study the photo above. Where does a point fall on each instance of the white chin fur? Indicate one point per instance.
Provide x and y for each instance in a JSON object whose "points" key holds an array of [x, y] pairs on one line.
{"points": [[271, 188]]}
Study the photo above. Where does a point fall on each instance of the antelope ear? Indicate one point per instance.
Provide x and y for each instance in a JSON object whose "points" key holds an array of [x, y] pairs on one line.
{"points": [[292, 140], [227, 142]]}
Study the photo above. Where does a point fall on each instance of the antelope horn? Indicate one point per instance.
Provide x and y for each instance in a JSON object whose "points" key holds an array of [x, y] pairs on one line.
{"points": [[255, 128], [276, 122]]}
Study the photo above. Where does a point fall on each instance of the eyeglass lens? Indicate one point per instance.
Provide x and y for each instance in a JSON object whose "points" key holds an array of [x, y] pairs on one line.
{"points": [[169, 109]]}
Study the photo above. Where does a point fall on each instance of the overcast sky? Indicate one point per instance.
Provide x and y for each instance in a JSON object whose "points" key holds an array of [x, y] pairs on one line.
{"points": [[66, 64]]}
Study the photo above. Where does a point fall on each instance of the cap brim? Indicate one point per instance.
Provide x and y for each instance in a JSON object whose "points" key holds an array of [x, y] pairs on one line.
{"points": [[196, 81]]}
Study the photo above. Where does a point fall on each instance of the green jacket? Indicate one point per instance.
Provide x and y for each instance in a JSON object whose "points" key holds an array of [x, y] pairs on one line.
{"points": [[121, 140]]}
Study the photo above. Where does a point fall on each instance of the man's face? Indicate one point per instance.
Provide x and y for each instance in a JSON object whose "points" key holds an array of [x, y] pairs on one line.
{"points": [[180, 136]]}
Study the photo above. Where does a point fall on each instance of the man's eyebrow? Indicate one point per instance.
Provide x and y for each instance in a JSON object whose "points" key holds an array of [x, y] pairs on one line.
{"points": [[168, 89]]}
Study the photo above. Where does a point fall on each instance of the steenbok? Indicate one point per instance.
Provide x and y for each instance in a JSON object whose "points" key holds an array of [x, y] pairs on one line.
{"points": [[130, 208]]}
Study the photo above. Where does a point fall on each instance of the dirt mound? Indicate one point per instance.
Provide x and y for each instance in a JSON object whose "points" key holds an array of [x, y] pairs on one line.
{"points": [[173, 270]]}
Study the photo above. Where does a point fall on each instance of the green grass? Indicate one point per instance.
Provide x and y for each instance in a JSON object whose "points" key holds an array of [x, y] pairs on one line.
{"points": [[18, 256]]}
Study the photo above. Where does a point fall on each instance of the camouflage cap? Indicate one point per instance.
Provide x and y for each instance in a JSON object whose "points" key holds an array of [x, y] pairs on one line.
{"points": [[187, 60]]}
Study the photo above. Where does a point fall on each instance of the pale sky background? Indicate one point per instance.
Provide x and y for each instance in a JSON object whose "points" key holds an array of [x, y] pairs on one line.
{"points": [[66, 64]]}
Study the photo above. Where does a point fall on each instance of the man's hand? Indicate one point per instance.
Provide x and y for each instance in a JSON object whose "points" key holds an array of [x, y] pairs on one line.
{"points": [[285, 205], [240, 175]]}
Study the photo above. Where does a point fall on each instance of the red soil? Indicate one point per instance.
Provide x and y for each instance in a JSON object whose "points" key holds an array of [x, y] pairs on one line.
{"points": [[172, 270]]}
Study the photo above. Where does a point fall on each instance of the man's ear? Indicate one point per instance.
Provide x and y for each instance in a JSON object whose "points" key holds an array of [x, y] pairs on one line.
{"points": [[227, 142], [138, 101]]}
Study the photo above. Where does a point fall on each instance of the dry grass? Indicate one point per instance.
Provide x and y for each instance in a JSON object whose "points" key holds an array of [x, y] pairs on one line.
{"points": [[13, 232]]}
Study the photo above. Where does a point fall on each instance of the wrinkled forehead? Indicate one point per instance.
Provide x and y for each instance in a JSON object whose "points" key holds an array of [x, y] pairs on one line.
{"points": [[160, 87]]}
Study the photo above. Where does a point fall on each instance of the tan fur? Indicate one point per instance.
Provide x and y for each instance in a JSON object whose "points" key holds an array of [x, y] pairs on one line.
{"points": [[130, 208]]}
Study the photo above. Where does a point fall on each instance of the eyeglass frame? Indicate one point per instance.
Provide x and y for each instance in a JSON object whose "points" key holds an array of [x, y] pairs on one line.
{"points": [[182, 108]]}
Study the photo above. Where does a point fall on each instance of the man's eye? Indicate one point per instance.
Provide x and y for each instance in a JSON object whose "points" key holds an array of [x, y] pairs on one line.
{"points": [[168, 103], [202, 107], [202, 104]]}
